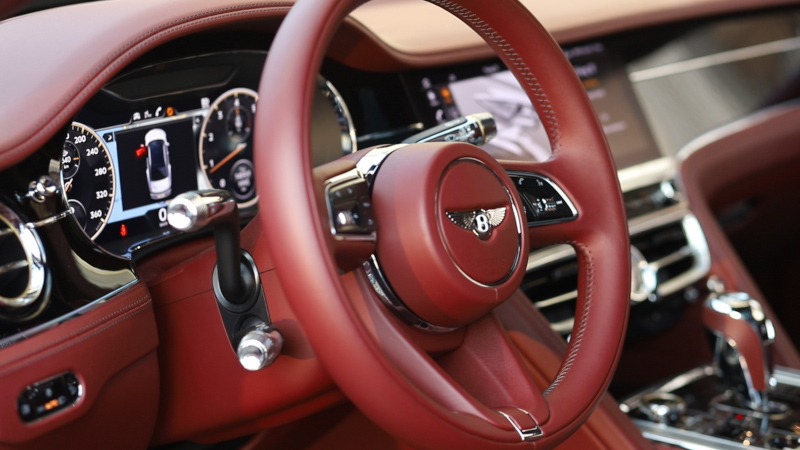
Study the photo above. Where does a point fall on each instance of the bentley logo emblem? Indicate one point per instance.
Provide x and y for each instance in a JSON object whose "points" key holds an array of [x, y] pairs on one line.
{"points": [[480, 221]]}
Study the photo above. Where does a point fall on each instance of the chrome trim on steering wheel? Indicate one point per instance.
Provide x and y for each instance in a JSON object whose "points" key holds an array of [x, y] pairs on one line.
{"points": [[381, 286], [526, 434]]}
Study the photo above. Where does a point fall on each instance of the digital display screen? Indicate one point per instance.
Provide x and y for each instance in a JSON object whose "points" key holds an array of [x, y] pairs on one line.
{"points": [[520, 135], [156, 163]]}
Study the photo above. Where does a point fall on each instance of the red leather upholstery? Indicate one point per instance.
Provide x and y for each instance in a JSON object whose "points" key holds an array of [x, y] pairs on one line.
{"points": [[112, 351]]}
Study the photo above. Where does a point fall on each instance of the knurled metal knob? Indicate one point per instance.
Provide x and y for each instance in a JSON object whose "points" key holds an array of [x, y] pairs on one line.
{"points": [[259, 347]]}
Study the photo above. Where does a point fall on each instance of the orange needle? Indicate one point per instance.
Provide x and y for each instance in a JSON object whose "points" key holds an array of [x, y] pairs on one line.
{"points": [[230, 156]]}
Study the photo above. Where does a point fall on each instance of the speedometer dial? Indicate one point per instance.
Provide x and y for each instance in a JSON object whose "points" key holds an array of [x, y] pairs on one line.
{"points": [[88, 178], [226, 144]]}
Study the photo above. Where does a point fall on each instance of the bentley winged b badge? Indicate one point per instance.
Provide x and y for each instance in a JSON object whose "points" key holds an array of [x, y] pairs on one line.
{"points": [[479, 221]]}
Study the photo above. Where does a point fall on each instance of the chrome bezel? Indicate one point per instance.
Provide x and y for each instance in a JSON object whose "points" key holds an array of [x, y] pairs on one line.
{"points": [[381, 287], [35, 259]]}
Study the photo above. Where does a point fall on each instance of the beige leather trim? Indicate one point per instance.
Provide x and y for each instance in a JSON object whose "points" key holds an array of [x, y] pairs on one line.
{"points": [[399, 22]]}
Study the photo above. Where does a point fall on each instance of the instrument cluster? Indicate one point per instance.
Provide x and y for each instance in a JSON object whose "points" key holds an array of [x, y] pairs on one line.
{"points": [[175, 137]]}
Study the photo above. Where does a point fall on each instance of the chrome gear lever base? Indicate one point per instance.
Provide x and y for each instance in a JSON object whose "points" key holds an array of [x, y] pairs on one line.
{"points": [[743, 339]]}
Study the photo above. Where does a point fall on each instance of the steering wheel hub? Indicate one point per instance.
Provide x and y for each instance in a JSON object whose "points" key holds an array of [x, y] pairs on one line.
{"points": [[450, 236]]}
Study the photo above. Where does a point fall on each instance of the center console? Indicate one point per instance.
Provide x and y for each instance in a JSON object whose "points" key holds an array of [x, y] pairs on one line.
{"points": [[695, 410]]}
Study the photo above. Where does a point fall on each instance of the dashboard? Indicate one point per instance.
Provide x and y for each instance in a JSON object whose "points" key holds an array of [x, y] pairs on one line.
{"points": [[156, 131], [165, 129], [195, 107]]}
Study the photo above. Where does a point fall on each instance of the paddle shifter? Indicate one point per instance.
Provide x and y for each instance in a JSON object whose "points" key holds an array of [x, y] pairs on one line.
{"points": [[742, 345]]}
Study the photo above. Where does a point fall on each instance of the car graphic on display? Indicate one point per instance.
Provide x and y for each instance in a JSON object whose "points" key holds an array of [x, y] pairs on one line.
{"points": [[159, 170]]}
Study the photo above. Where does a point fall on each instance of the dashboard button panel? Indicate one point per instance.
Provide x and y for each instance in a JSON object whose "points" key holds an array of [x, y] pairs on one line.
{"points": [[49, 396]]}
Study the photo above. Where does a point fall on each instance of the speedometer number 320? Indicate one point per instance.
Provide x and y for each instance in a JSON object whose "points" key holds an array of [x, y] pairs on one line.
{"points": [[88, 178]]}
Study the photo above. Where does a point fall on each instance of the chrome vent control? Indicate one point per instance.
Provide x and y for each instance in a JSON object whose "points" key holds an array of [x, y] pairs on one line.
{"points": [[22, 262]]}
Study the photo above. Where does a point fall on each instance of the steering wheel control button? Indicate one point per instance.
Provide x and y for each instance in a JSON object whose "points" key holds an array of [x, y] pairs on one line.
{"points": [[259, 347], [351, 208], [49, 396], [545, 202]]}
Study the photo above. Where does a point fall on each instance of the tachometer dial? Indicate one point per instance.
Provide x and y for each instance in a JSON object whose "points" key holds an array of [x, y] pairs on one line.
{"points": [[226, 144], [88, 178]]}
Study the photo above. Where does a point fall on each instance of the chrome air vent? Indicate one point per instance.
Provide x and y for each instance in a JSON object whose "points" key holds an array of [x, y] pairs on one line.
{"points": [[22, 263], [650, 198], [676, 253], [670, 255]]}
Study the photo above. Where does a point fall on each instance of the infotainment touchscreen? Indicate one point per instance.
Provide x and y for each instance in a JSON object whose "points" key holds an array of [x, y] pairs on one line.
{"points": [[446, 95]]}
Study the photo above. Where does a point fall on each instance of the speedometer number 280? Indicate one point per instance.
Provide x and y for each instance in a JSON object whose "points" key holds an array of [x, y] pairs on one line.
{"points": [[88, 178]]}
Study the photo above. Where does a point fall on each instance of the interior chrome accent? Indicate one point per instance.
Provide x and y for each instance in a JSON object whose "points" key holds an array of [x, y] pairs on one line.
{"points": [[526, 434], [42, 188], [703, 423], [737, 370], [549, 255], [386, 294], [195, 210], [259, 347], [30, 252], [349, 141], [646, 174], [697, 248], [703, 62], [663, 407], [476, 129], [685, 438], [644, 277], [31, 332], [369, 164]]}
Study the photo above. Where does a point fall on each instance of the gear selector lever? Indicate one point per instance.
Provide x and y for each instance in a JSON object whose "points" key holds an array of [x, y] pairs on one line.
{"points": [[195, 210], [742, 345]]}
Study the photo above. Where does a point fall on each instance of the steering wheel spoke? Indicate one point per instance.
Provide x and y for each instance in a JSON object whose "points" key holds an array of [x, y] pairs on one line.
{"points": [[473, 373]]}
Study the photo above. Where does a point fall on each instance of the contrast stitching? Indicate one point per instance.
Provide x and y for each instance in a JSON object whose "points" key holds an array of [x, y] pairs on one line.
{"points": [[80, 93], [577, 336], [553, 131], [93, 324], [61, 349]]}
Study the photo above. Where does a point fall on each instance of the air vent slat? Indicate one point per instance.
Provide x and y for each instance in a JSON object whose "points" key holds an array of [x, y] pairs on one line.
{"points": [[12, 266], [573, 295], [649, 199], [671, 258]]}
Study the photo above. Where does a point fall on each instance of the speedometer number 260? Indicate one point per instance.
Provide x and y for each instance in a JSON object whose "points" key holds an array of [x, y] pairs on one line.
{"points": [[88, 178]]}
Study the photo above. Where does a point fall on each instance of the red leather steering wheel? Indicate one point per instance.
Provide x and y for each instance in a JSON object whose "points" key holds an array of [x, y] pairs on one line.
{"points": [[464, 386]]}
